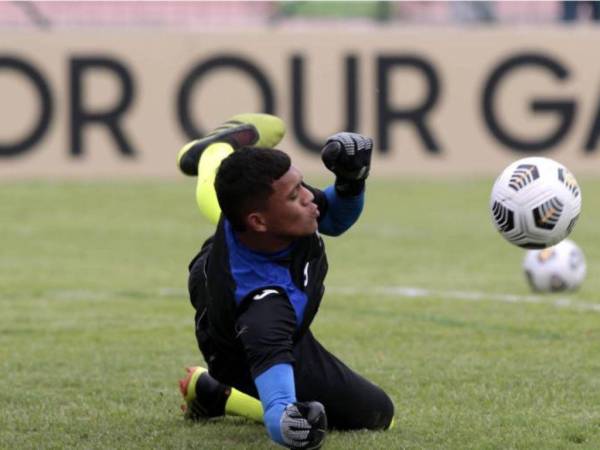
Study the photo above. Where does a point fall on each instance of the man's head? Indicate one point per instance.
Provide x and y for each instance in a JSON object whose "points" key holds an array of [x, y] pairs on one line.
{"points": [[259, 190]]}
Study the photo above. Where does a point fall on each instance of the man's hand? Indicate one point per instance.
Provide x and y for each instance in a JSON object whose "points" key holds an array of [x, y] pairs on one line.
{"points": [[303, 425], [348, 155]]}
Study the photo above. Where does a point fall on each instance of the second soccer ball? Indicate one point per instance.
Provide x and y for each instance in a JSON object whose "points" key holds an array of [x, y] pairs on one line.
{"points": [[553, 269]]}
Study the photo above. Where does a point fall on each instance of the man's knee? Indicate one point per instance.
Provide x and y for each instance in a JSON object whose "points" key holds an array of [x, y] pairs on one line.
{"points": [[370, 409], [382, 414]]}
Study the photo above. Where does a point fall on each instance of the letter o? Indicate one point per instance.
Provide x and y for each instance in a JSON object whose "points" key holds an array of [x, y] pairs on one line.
{"points": [[217, 63], [37, 132]]}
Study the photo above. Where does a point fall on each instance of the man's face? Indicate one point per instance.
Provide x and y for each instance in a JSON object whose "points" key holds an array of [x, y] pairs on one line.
{"points": [[290, 212]]}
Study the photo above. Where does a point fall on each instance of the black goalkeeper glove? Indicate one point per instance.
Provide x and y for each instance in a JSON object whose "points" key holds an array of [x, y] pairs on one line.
{"points": [[348, 156], [303, 425]]}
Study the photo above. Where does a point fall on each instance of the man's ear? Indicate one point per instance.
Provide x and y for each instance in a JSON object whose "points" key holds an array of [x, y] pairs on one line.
{"points": [[256, 222]]}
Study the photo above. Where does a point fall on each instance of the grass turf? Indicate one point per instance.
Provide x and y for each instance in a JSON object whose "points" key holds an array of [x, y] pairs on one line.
{"points": [[95, 325]]}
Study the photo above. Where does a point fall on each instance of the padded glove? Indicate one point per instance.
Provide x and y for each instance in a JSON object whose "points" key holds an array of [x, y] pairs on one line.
{"points": [[303, 425], [348, 156]]}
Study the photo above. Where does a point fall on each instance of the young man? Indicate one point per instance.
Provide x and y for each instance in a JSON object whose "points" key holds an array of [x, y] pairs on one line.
{"points": [[257, 284]]}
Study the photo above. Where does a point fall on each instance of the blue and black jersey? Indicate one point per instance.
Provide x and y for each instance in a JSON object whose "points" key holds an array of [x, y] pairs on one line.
{"points": [[255, 306]]}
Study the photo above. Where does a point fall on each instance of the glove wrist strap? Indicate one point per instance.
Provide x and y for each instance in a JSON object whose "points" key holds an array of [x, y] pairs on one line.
{"points": [[349, 188]]}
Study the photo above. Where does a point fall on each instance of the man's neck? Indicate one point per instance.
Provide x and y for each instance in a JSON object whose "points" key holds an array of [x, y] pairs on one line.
{"points": [[259, 242]]}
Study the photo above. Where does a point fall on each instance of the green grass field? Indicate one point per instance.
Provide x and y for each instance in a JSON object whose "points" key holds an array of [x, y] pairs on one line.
{"points": [[96, 327]]}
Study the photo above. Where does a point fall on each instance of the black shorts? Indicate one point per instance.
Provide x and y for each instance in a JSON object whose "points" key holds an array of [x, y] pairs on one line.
{"points": [[351, 401]]}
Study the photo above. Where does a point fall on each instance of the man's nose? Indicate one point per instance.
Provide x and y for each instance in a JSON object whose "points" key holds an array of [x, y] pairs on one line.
{"points": [[308, 196]]}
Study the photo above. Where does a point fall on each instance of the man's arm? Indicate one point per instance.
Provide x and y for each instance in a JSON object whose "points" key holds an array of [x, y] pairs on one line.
{"points": [[265, 328], [338, 211], [276, 390], [348, 156], [289, 423]]}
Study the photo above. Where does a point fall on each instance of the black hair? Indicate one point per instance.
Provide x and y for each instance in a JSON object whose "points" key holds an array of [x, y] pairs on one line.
{"points": [[244, 181]]}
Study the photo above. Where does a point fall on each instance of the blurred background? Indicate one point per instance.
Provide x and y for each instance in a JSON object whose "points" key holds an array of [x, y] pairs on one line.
{"points": [[113, 89], [198, 16]]}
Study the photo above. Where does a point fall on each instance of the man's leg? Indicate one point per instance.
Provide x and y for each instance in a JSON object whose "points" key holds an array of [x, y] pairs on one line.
{"points": [[260, 130], [202, 157], [351, 402], [206, 398], [206, 197]]}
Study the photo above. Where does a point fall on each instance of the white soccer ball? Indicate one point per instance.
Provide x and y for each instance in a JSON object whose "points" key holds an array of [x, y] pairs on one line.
{"points": [[535, 202], [558, 268]]}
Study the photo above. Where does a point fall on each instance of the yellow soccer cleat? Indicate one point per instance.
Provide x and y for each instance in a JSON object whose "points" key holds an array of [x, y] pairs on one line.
{"points": [[271, 129], [204, 396], [262, 130], [233, 133]]}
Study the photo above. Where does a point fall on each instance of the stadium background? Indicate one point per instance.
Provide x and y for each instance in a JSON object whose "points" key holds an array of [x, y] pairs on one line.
{"points": [[423, 296], [114, 88]]}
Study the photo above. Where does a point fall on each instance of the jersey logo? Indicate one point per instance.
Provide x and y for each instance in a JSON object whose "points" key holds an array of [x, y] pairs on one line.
{"points": [[306, 274], [264, 293]]}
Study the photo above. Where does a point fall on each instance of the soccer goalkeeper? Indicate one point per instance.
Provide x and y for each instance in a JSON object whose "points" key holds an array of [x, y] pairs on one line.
{"points": [[257, 283]]}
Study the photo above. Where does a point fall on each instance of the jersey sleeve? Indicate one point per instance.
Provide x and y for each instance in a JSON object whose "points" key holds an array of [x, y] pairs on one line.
{"points": [[265, 327], [337, 213], [276, 390]]}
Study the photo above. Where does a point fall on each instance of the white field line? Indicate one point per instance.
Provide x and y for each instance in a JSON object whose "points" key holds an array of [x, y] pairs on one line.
{"points": [[416, 292], [390, 291]]}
